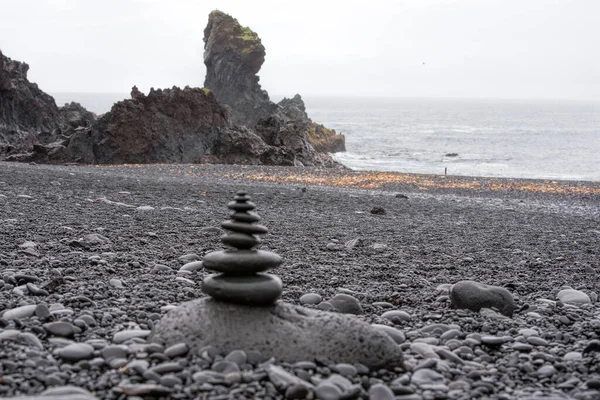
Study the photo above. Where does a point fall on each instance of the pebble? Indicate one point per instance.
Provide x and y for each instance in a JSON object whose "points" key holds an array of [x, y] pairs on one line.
{"points": [[379, 391], [158, 268], [328, 391], [572, 296], [396, 314], [116, 283], [395, 334], [32, 340], [237, 356], [36, 291], [573, 356], [346, 304], [122, 336], [189, 257], [170, 380], [114, 351], [546, 370], [177, 350], [42, 312], [167, 367], [19, 312], [192, 266], [66, 392], [424, 349], [346, 370], [537, 341], [76, 352], [298, 392], [147, 389], [383, 304], [282, 379], [426, 376], [63, 329], [310, 298], [495, 340], [208, 377], [378, 210]]}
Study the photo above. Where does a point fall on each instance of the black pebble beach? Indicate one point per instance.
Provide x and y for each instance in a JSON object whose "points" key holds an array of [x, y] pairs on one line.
{"points": [[91, 258]]}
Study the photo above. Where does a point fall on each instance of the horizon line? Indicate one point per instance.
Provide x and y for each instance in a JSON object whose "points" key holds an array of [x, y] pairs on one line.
{"points": [[375, 96]]}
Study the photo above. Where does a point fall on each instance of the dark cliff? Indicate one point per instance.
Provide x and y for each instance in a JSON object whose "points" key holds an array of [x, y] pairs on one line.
{"points": [[24, 109]]}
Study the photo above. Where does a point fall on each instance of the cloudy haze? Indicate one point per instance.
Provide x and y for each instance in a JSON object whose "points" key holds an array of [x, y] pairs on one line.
{"points": [[536, 49]]}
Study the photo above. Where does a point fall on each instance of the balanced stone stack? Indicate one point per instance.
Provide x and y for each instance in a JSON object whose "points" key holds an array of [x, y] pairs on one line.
{"points": [[241, 278]]}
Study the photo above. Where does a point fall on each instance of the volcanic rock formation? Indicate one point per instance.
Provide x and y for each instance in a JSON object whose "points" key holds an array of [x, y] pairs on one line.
{"points": [[233, 55], [25, 110], [172, 125], [321, 138]]}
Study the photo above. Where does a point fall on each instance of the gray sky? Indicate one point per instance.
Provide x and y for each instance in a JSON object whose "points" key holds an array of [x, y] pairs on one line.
{"points": [[548, 49]]}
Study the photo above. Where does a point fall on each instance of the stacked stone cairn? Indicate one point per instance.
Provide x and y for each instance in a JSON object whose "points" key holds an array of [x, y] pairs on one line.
{"points": [[241, 278]]}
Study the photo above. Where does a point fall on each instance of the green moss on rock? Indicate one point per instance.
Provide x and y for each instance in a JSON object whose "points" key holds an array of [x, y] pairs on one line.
{"points": [[224, 33], [324, 139]]}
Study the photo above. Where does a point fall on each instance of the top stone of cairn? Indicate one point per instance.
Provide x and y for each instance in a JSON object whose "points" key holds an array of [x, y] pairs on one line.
{"points": [[240, 279]]}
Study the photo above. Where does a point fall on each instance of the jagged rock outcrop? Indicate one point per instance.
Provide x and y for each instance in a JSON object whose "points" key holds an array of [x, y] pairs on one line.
{"points": [[75, 115], [25, 110], [233, 55], [323, 140], [276, 132], [166, 126]]}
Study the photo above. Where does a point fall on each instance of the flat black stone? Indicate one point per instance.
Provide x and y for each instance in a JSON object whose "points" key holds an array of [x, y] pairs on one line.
{"points": [[255, 290], [242, 197], [240, 241], [247, 206], [241, 262], [248, 217], [242, 227]]}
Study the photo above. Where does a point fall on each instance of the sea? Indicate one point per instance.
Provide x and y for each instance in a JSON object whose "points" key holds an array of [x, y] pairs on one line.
{"points": [[549, 139]]}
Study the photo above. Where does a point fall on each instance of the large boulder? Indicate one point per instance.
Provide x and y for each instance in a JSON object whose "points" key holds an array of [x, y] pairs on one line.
{"points": [[25, 110], [233, 55], [474, 296], [277, 132], [287, 332], [322, 139]]}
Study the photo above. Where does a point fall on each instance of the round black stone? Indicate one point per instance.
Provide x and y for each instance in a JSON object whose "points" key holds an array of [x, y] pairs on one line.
{"points": [[241, 262], [246, 206], [242, 198], [240, 241], [248, 217], [241, 227], [258, 290]]}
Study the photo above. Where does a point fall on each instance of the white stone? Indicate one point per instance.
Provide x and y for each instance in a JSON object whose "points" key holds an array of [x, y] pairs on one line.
{"points": [[573, 296]]}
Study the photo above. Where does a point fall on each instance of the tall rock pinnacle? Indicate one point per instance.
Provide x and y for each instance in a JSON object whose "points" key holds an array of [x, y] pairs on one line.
{"points": [[233, 55]]}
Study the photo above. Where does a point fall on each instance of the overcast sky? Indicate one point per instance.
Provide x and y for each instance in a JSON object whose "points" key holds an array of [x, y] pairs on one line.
{"points": [[534, 49]]}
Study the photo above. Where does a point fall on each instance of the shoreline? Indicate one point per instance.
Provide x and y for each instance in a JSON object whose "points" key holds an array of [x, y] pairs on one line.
{"points": [[369, 180]]}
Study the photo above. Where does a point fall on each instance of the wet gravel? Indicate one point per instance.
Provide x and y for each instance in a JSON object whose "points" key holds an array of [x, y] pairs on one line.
{"points": [[92, 257]]}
